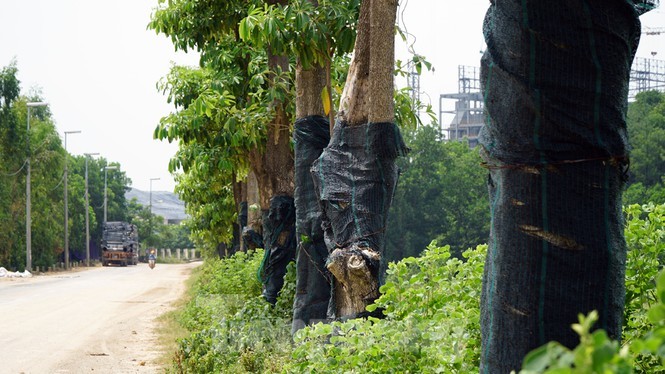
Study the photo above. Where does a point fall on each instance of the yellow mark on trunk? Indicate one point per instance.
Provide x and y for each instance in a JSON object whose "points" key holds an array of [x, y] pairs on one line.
{"points": [[555, 239], [517, 202]]}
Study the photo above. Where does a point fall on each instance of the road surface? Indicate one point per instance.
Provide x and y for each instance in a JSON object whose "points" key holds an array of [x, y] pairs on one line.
{"points": [[99, 320]]}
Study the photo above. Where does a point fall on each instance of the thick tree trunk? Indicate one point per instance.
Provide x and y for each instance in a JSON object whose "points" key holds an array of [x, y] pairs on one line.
{"points": [[240, 199], [274, 172], [356, 175], [311, 135], [253, 215], [555, 78], [309, 85]]}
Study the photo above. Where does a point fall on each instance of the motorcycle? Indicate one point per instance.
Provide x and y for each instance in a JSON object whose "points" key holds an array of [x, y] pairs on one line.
{"points": [[151, 259]]}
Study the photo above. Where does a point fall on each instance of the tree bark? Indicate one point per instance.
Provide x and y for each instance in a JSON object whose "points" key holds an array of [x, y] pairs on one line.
{"points": [[311, 135], [382, 61], [367, 100], [309, 85], [354, 103], [274, 170]]}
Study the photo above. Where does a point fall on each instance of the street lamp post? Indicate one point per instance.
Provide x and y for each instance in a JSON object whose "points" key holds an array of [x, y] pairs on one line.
{"points": [[87, 205], [150, 208], [66, 208], [28, 218], [106, 169]]}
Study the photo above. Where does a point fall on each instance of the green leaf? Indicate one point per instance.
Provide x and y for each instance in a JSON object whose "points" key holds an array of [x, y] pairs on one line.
{"points": [[657, 313], [243, 30], [660, 284], [537, 360]]}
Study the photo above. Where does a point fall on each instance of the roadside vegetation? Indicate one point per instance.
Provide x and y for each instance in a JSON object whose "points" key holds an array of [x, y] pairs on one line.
{"points": [[430, 305], [430, 299]]}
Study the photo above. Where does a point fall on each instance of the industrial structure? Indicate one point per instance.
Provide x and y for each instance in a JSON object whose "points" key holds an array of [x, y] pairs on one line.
{"points": [[413, 83], [468, 115], [646, 74]]}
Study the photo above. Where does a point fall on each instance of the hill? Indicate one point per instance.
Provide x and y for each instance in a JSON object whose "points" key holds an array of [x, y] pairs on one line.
{"points": [[165, 204]]}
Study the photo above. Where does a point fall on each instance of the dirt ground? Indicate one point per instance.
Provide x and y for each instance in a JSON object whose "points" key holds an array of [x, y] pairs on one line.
{"points": [[99, 320]]}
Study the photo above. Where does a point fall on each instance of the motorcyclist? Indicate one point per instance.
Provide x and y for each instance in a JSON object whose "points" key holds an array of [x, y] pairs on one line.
{"points": [[151, 259]]}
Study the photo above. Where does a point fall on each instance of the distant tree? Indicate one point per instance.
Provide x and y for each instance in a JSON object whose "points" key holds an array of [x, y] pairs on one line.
{"points": [[12, 152], [646, 130], [150, 225], [176, 236], [117, 185], [441, 194], [46, 154], [76, 208]]}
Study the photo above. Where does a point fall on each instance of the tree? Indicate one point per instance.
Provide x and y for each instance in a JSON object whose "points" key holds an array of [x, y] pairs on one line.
{"points": [[316, 33], [150, 226], [646, 130], [270, 32], [356, 174], [241, 100], [555, 92], [43, 146], [12, 152], [441, 195]]}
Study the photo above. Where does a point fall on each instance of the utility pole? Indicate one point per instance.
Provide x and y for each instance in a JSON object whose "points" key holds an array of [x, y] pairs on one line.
{"points": [[28, 217]]}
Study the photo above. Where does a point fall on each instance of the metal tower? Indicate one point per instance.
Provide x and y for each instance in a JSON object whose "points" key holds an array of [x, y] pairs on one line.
{"points": [[414, 86], [646, 74], [468, 113]]}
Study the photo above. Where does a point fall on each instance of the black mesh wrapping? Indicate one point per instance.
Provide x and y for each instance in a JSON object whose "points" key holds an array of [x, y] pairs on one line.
{"points": [[555, 78], [251, 239], [310, 135], [279, 241], [355, 180], [242, 214]]}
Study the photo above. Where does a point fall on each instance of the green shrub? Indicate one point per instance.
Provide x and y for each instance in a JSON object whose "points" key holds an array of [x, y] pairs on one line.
{"points": [[431, 323], [233, 328], [431, 307]]}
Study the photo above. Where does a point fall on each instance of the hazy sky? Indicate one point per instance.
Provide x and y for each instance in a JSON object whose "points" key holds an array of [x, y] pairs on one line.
{"points": [[97, 65]]}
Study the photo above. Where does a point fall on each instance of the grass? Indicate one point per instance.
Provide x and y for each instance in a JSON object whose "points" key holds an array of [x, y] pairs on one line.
{"points": [[169, 329]]}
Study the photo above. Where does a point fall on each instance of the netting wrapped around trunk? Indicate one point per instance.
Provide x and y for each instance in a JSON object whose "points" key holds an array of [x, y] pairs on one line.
{"points": [[555, 80], [355, 180], [279, 241], [310, 135]]}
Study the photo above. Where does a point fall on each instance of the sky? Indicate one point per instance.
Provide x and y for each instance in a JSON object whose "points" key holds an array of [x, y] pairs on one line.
{"points": [[97, 66]]}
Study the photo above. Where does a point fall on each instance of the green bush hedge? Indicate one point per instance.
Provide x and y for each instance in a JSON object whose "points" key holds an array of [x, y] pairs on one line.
{"points": [[431, 324]]}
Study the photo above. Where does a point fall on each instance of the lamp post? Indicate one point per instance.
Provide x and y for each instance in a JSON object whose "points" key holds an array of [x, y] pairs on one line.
{"points": [[87, 205], [106, 169], [150, 208], [28, 218], [66, 209]]}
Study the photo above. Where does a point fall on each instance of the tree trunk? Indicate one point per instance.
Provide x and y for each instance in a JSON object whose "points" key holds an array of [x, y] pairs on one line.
{"points": [[274, 170], [555, 78], [240, 199], [311, 135], [356, 175]]}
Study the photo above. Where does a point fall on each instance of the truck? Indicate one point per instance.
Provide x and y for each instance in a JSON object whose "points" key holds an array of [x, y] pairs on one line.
{"points": [[120, 244]]}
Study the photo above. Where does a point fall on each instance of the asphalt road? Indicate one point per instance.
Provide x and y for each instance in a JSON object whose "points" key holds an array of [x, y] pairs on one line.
{"points": [[98, 320]]}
